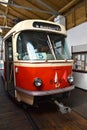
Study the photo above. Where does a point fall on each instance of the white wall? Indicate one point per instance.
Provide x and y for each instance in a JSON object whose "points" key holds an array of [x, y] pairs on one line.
{"points": [[77, 35]]}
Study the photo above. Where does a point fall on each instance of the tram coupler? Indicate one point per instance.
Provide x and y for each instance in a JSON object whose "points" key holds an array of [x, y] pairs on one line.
{"points": [[63, 109]]}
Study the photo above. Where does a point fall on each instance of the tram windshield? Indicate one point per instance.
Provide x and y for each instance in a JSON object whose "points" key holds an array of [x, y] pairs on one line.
{"points": [[36, 45]]}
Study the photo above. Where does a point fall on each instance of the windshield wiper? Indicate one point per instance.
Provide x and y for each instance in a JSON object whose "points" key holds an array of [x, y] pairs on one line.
{"points": [[50, 46]]}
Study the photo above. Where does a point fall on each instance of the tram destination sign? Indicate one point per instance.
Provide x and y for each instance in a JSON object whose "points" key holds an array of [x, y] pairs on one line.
{"points": [[48, 26]]}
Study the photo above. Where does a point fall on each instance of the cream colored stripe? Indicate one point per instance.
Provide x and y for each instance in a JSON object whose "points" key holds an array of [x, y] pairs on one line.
{"points": [[42, 64]]}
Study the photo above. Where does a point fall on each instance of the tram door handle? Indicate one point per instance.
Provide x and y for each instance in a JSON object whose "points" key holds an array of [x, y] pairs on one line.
{"points": [[16, 70]]}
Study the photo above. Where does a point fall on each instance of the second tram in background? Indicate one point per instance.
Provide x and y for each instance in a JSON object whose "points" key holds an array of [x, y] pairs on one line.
{"points": [[37, 61]]}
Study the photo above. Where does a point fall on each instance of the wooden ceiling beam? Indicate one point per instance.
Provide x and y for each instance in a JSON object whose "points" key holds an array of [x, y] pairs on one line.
{"points": [[33, 14], [47, 6], [27, 8], [29, 13], [6, 13], [65, 8]]}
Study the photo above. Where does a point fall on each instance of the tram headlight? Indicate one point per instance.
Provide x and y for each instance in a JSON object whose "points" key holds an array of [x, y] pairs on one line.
{"points": [[70, 79], [37, 82]]}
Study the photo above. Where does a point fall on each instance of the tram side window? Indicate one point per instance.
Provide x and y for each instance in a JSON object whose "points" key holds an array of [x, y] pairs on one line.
{"points": [[9, 53]]}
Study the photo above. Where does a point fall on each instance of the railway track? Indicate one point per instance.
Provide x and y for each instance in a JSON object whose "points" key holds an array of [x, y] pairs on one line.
{"points": [[26, 109], [40, 117], [29, 117]]}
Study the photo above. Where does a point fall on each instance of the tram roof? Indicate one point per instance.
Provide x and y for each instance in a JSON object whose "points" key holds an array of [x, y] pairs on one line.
{"points": [[28, 25]]}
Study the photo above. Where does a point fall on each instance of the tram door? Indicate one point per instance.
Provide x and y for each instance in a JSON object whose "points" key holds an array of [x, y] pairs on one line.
{"points": [[9, 66]]}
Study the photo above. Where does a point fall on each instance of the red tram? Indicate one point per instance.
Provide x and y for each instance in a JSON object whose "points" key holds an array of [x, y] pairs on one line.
{"points": [[36, 60]]}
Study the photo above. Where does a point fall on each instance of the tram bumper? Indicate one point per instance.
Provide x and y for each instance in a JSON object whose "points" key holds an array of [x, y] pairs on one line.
{"points": [[28, 96]]}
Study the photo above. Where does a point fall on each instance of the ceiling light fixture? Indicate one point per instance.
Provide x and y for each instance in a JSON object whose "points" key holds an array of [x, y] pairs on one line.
{"points": [[4, 1], [0, 30]]}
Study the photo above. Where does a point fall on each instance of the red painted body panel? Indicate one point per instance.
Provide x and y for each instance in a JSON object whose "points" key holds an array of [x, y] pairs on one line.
{"points": [[26, 75]]}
